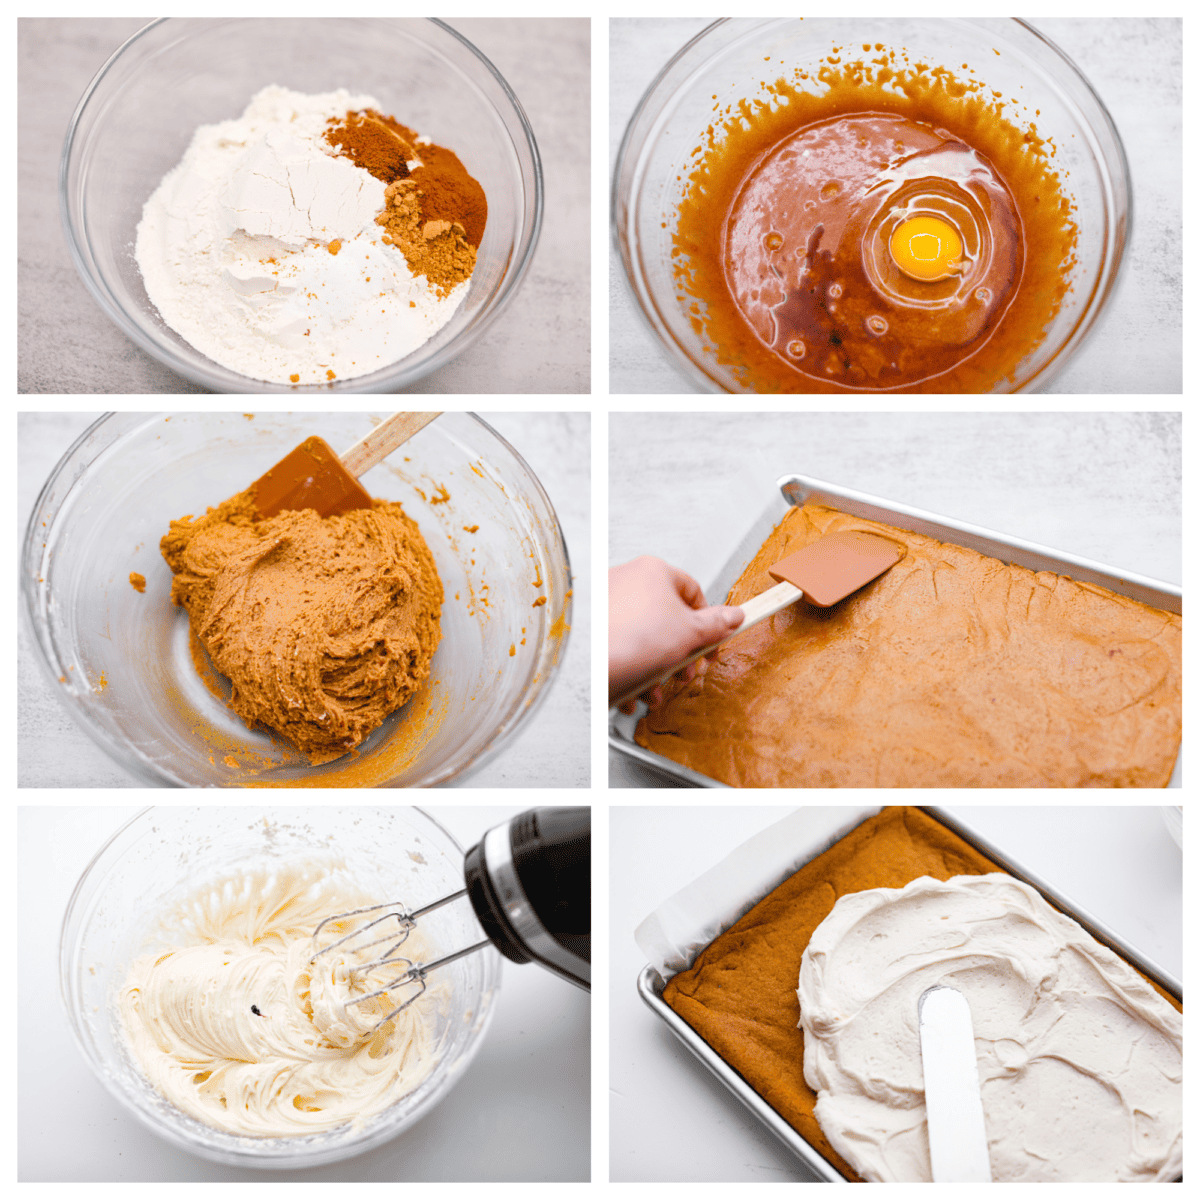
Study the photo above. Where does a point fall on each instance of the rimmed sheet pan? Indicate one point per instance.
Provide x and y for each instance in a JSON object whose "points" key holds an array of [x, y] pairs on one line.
{"points": [[795, 490], [650, 985]]}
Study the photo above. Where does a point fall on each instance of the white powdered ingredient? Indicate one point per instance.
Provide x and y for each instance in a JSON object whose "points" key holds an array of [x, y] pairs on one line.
{"points": [[261, 250]]}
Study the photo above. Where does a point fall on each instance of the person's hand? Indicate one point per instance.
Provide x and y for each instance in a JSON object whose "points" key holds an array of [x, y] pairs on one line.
{"points": [[657, 616]]}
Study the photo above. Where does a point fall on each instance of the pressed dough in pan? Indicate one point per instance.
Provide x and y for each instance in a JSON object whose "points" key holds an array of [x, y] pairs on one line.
{"points": [[950, 670]]}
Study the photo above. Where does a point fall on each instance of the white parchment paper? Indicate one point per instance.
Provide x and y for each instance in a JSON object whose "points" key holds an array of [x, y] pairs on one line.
{"points": [[674, 934]]}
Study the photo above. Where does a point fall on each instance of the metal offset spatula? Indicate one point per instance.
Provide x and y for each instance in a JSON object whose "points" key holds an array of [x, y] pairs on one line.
{"points": [[313, 476], [958, 1150], [823, 572]]}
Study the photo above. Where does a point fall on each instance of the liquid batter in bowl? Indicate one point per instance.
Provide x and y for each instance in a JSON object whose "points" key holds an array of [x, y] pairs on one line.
{"points": [[894, 231]]}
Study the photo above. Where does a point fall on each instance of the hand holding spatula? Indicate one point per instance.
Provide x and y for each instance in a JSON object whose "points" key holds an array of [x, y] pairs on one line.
{"points": [[313, 476], [823, 572]]}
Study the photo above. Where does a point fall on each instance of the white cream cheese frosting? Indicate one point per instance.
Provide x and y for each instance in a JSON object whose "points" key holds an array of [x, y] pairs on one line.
{"points": [[1080, 1060], [232, 1024]]}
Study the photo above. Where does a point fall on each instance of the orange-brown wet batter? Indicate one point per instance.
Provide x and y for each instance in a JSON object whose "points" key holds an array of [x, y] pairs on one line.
{"points": [[784, 244], [951, 669], [323, 625]]}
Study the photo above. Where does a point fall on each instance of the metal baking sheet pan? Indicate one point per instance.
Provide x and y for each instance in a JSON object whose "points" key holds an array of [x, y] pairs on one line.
{"points": [[795, 490], [650, 986]]}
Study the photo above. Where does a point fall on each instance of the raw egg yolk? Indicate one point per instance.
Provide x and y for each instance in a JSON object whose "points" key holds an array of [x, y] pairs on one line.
{"points": [[927, 249]]}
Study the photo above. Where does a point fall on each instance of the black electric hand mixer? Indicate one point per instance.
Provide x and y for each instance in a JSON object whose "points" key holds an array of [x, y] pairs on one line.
{"points": [[529, 882]]}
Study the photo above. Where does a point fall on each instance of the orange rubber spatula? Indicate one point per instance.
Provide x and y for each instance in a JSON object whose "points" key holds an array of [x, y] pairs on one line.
{"points": [[823, 572], [313, 476]]}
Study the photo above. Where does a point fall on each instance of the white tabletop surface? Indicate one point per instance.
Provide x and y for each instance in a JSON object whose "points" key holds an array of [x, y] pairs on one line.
{"points": [[521, 1111], [1105, 486], [540, 343], [1136, 66], [670, 1120], [552, 751]]}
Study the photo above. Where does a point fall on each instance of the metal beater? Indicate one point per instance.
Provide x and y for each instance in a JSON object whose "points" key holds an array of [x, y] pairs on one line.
{"points": [[529, 882]]}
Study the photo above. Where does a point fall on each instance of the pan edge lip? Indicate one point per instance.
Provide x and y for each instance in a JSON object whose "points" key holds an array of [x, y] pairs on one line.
{"points": [[811, 484]]}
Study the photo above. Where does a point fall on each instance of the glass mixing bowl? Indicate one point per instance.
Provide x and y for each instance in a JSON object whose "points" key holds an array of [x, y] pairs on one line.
{"points": [[137, 117], [163, 854], [725, 64], [121, 660]]}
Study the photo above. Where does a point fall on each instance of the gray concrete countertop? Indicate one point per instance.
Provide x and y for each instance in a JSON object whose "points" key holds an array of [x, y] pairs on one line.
{"points": [[540, 343], [1136, 66], [553, 751], [1105, 486]]}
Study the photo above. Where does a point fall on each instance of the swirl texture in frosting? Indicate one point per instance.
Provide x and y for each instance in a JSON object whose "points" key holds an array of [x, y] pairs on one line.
{"points": [[233, 1025], [1080, 1059]]}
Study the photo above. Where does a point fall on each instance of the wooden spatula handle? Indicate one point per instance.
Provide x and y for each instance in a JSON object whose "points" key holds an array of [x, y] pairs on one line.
{"points": [[757, 608], [383, 439]]}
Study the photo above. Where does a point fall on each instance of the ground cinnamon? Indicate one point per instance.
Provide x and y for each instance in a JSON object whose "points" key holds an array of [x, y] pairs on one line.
{"points": [[374, 142], [449, 193]]}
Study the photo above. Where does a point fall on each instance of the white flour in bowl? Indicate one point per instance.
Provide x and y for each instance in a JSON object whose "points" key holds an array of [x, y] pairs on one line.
{"points": [[261, 250]]}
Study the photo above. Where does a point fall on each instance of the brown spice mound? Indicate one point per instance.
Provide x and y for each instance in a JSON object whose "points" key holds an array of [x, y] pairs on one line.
{"points": [[374, 142], [436, 249], [449, 193], [401, 131]]}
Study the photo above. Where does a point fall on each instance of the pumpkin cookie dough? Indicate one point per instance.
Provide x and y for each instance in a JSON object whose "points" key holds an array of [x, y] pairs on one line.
{"points": [[953, 669], [323, 625]]}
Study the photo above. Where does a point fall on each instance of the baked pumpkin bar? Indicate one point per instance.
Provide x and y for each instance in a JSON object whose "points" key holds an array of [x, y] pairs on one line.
{"points": [[740, 993], [952, 669]]}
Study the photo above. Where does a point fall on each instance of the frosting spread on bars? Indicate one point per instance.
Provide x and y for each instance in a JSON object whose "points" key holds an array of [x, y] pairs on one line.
{"points": [[1080, 1060]]}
